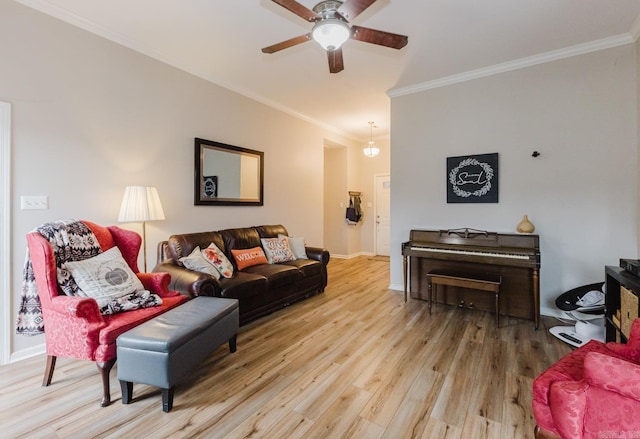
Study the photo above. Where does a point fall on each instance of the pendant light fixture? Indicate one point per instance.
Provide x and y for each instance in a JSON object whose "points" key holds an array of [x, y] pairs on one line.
{"points": [[371, 150]]}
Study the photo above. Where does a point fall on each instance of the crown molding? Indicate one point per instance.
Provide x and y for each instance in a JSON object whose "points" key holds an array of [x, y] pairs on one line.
{"points": [[521, 63]]}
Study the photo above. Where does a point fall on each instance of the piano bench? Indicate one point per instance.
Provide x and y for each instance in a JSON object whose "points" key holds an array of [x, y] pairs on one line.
{"points": [[476, 281]]}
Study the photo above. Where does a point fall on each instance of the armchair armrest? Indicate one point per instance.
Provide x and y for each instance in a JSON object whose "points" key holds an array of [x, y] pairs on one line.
{"points": [[631, 349], [81, 307], [157, 283], [188, 282], [612, 374], [318, 254]]}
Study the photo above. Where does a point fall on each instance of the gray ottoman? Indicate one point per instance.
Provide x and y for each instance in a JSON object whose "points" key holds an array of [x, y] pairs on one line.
{"points": [[161, 351]]}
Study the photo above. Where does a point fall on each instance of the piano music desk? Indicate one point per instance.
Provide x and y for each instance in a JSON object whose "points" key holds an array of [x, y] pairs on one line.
{"points": [[481, 282]]}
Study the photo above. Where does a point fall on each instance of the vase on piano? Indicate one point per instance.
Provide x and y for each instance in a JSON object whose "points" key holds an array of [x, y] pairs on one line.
{"points": [[525, 226]]}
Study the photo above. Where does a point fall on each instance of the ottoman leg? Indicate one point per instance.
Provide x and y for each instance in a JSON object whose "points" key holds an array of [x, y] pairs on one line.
{"points": [[167, 399], [233, 343], [127, 391]]}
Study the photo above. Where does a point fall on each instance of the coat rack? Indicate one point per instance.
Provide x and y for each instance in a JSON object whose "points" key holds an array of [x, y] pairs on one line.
{"points": [[354, 211]]}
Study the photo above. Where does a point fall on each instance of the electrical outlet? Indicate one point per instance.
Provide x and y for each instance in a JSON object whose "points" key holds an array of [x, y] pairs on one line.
{"points": [[33, 202]]}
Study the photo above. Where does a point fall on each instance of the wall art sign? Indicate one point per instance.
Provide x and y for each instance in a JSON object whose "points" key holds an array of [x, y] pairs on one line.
{"points": [[472, 179], [210, 189]]}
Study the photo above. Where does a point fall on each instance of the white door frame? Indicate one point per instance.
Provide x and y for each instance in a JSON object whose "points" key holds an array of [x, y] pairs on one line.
{"points": [[5, 231], [375, 210]]}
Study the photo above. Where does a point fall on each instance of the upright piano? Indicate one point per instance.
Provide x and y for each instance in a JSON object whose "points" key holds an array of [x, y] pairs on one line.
{"points": [[514, 257]]}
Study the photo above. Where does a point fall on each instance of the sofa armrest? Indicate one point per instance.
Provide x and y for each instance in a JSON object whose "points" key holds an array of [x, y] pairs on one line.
{"points": [[612, 374], [188, 282], [318, 254], [157, 283]]}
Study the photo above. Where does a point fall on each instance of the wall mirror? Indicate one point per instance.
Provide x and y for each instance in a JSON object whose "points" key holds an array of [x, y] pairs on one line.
{"points": [[228, 175]]}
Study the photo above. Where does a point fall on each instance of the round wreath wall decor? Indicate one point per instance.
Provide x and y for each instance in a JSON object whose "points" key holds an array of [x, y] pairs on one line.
{"points": [[453, 178]]}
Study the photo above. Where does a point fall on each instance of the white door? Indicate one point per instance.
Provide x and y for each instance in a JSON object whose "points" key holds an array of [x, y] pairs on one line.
{"points": [[383, 214]]}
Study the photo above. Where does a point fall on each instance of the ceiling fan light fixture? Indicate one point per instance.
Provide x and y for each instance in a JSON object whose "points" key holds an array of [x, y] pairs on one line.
{"points": [[331, 33], [371, 150]]}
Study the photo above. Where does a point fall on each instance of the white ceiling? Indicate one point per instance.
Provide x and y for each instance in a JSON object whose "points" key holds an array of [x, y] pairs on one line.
{"points": [[449, 40]]}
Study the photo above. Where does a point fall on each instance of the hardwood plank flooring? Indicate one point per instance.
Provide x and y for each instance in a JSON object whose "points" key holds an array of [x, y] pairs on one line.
{"points": [[352, 362]]}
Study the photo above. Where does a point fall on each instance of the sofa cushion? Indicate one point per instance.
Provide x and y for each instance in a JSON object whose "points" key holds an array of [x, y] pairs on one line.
{"points": [[179, 246], [307, 267], [271, 231], [197, 262], [249, 257], [297, 246], [218, 259], [241, 238], [108, 279], [277, 250], [277, 274]]}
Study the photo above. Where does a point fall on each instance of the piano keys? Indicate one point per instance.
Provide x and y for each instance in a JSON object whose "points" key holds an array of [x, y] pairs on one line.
{"points": [[515, 257]]}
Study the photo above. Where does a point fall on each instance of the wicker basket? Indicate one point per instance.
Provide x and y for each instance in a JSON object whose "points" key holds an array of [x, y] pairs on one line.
{"points": [[629, 310]]}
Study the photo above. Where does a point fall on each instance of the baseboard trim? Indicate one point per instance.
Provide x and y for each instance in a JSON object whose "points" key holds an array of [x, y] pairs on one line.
{"points": [[28, 353], [351, 256]]}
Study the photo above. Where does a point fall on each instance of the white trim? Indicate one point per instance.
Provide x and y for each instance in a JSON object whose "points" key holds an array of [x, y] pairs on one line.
{"points": [[554, 55], [5, 231], [29, 352], [351, 256], [375, 208]]}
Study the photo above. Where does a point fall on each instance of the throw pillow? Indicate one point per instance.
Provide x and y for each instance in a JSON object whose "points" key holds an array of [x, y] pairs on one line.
{"points": [[105, 277], [297, 246], [249, 257], [218, 259], [197, 262], [277, 250]]}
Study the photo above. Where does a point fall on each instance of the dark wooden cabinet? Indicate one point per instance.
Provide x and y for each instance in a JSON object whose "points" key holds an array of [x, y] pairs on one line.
{"points": [[621, 302]]}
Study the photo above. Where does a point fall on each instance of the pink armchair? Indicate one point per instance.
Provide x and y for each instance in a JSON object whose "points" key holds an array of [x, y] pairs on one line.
{"points": [[74, 326], [592, 392]]}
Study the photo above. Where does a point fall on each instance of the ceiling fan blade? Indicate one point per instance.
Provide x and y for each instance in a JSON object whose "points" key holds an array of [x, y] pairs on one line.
{"points": [[286, 44], [352, 8], [382, 38], [298, 9], [336, 63]]}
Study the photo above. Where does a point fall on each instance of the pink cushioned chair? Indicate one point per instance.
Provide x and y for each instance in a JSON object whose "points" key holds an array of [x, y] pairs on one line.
{"points": [[592, 392], [74, 326]]}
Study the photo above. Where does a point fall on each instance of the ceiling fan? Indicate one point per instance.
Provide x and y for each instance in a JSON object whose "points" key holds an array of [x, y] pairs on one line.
{"points": [[332, 29]]}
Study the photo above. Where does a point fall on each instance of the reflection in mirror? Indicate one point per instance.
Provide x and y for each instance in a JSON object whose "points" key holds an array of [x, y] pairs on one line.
{"points": [[228, 175]]}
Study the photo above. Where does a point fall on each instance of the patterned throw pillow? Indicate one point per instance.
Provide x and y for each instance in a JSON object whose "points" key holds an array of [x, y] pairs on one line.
{"points": [[277, 250], [218, 259], [249, 257], [197, 262], [297, 246], [107, 278]]}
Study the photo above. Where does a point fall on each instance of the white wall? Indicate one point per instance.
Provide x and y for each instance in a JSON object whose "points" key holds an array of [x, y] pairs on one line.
{"points": [[91, 117], [581, 193]]}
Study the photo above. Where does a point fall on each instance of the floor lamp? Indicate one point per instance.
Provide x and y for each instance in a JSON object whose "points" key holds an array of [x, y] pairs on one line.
{"points": [[141, 204]]}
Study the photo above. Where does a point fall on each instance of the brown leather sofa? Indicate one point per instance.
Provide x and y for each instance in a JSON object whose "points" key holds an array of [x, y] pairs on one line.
{"points": [[260, 289]]}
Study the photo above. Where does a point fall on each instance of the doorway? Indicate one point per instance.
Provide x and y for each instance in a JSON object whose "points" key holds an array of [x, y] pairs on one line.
{"points": [[383, 215]]}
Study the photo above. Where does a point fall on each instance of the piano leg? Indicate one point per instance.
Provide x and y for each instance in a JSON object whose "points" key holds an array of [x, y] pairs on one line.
{"points": [[536, 297], [404, 271]]}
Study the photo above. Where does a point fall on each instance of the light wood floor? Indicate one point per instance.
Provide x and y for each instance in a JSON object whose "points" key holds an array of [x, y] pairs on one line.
{"points": [[353, 362]]}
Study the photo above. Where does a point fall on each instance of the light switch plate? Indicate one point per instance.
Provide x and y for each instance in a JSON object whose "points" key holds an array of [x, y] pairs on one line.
{"points": [[33, 202]]}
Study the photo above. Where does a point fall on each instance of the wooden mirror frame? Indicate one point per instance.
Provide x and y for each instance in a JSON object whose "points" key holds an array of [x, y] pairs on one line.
{"points": [[205, 169]]}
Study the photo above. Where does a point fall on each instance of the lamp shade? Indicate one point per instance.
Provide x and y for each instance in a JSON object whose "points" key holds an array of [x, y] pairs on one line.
{"points": [[331, 33], [140, 203]]}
